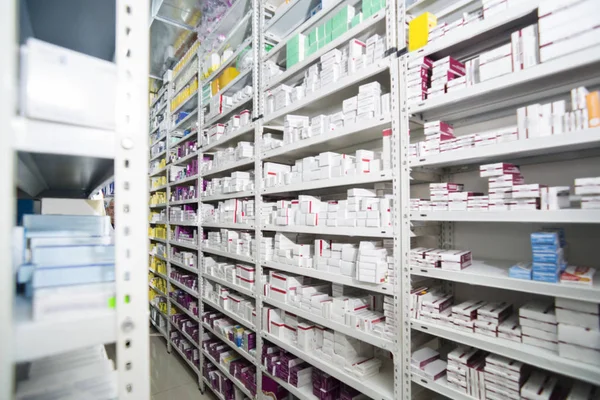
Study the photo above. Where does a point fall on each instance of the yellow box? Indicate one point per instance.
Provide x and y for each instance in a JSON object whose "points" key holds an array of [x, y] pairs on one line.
{"points": [[418, 30], [227, 76], [214, 86]]}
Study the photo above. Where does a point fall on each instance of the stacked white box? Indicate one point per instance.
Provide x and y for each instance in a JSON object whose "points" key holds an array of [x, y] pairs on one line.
{"points": [[462, 362], [371, 262], [578, 330], [465, 314], [375, 49], [444, 71], [418, 79], [539, 325], [368, 101], [331, 67], [438, 137], [356, 55], [440, 194], [312, 82], [540, 386], [589, 190], [294, 127], [496, 62], [490, 316], [503, 377]]}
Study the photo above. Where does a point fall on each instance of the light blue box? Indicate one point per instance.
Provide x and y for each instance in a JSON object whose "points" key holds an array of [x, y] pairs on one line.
{"points": [[546, 277], [545, 248], [546, 267], [550, 257], [520, 270], [545, 238]]}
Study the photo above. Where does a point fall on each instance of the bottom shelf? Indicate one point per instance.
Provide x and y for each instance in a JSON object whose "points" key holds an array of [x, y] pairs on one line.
{"points": [[440, 386], [191, 364], [208, 385], [225, 371], [303, 393]]}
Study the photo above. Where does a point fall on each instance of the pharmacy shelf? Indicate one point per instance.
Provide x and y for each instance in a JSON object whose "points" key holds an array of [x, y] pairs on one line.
{"points": [[159, 171], [225, 371], [163, 258], [515, 88], [159, 222], [302, 393], [333, 230], [229, 167], [186, 104], [185, 335], [362, 131], [184, 68], [494, 273], [183, 85], [235, 86], [361, 179], [158, 309], [225, 225], [36, 136], [183, 244], [158, 188], [185, 158], [236, 107], [184, 288], [231, 285], [440, 386], [225, 196], [321, 99], [516, 150], [208, 385], [239, 350], [181, 202], [246, 132], [158, 155], [515, 17], [181, 265], [155, 239], [159, 329], [84, 330], [157, 290], [191, 364], [184, 121], [184, 310], [183, 223], [376, 341], [239, 257], [327, 276], [158, 273], [184, 180], [231, 315], [379, 386], [528, 354], [526, 216], [299, 68], [160, 205]]}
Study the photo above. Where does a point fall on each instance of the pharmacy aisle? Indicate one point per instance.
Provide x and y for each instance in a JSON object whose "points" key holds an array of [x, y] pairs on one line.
{"points": [[501, 103]]}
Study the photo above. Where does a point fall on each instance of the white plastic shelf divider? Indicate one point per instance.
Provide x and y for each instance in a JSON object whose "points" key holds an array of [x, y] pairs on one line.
{"points": [[229, 167], [239, 350], [225, 196], [183, 244], [181, 265], [181, 202], [333, 230], [326, 276], [361, 179], [158, 273], [159, 205], [571, 216], [231, 285], [494, 273], [229, 138], [528, 354], [183, 287], [225, 371], [185, 310], [380, 386], [183, 223], [191, 364], [225, 225], [184, 180], [227, 254], [376, 341], [155, 239], [231, 315]]}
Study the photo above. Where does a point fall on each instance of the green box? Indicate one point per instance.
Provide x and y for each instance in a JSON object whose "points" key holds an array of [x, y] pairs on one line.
{"points": [[321, 32], [339, 32], [358, 18], [313, 37], [296, 42], [312, 49], [321, 43], [366, 8], [377, 5]]}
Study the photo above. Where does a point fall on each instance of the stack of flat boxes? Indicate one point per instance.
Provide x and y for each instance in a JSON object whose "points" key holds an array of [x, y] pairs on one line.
{"points": [[235, 211], [370, 7], [440, 194], [331, 67], [490, 316], [375, 49], [369, 101], [293, 127], [340, 22], [444, 71], [356, 55], [503, 378], [372, 262], [312, 81], [418, 79], [295, 49], [589, 190], [435, 307], [426, 362], [549, 260], [578, 330], [325, 386], [465, 314], [510, 329], [438, 137], [465, 369], [538, 325]]}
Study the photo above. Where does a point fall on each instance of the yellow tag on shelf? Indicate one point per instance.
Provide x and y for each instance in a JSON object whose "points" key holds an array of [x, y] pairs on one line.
{"points": [[418, 30]]}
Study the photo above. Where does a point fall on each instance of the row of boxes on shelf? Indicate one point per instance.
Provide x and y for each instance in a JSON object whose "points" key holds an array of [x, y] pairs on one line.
{"points": [[231, 241], [185, 300], [156, 165], [186, 257], [345, 305], [179, 172], [237, 334], [185, 278], [220, 131], [184, 234], [158, 181], [189, 90], [230, 300], [157, 216], [186, 57], [62, 259], [157, 148], [219, 383], [352, 355], [238, 274], [157, 282], [187, 325], [239, 181], [236, 365], [158, 198], [229, 155], [189, 350], [184, 213], [489, 376], [363, 208], [157, 265], [183, 150], [188, 191], [157, 231], [329, 165], [298, 373], [158, 249], [231, 211], [221, 104], [184, 77], [366, 261]]}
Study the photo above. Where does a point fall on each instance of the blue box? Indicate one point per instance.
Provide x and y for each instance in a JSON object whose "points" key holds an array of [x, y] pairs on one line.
{"points": [[545, 277], [546, 267], [520, 270], [554, 257], [545, 248], [546, 238]]}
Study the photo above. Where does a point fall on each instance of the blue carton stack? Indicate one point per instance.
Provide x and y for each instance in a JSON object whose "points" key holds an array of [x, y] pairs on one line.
{"points": [[548, 248]]}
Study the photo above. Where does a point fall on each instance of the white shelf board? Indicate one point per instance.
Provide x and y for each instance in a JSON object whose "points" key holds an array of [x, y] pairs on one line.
{"points": [[185, 335], [180, 265], [229, 167], [362, 131], [231, 315], [183, 244], [185, 158], [559, 216], [379, 386], [180, 202], [493, 273], [225, 196], [528, 354], [440, 386], [510, 85], [158, 309], [186, 289], [227, 254], [36, 136], [184, 180], [225, 225], [540, 146], [163, 258], [327, 276], [158, 139], [228, 138], [302, 393], [155, 239], [159, 222], [333, 182], [158, 171], [36, 339], [160, 205], [333, 230], [376, 341], [239, 350], [313, 58], [232, 86], [315, 99], [224, 282], [185, 310], [191, 364], [158, 188], [225, 371], [183, 223]]}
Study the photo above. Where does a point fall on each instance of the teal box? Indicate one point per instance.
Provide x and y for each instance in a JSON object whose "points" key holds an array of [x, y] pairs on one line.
{"points": [[313, 37], [321, 32], [339, 32], [356, 20]]}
